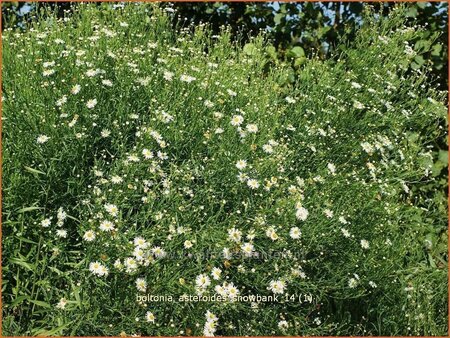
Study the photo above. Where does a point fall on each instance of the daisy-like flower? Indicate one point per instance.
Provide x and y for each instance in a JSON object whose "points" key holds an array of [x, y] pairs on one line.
{"points": [[253, 184], [98, 269], [89, 236], [61, 233], [107, 83], [188, 244], [345, 232], [202, 281], [46, 222], [252, 128], [91, 72], [231, 93], [111, 209], [232, 291], [277, 286], [116, 179], [150, 317], [272, 234], [241, 164], [141, 284], [48, 72], [42, 139], [364, 244], [352, 283], [187, 78], [329, 213], [267, 148], [216, 273], [61, 304], [106, 226], [295, 233], [282, 324], [147, 154], [236, 120], [290, 99], [158, 252], [168, 76], [105, 133], [301, 214], [235, 235], [140, 242], [91, 103], [331, 168], [247, 249], [130, 264], [75, 89]]}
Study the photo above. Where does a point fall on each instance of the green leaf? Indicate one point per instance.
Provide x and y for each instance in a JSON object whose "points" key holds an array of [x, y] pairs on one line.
{"points": [[22, 263], [27, 209], [40, 303], [34, 171], [296, 52]]}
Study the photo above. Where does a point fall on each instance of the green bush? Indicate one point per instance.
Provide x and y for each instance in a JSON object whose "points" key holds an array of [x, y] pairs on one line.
{"points": [[142, 161]]}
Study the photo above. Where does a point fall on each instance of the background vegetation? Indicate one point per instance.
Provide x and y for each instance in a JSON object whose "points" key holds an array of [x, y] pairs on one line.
{"points": [[322, 57]]}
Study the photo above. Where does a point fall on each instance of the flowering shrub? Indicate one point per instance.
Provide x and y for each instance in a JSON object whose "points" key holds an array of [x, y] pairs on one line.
{"points": [[144, 164]]}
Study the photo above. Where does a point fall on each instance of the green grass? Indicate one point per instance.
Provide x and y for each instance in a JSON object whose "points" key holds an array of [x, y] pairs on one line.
{"points": [[353, 140]]}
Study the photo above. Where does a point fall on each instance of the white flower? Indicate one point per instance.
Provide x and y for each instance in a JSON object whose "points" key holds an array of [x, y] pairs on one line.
{"points": [[107, 83], [42, 139], [46, 222], [187, 78], [302, 214], [345, 232], [234, 235], [352, 283], [236, 120], [282, 324], [202, 281], [168, 76], [247, 249], [61, 304], [252, 128], [364, 244], [61, 233], [106, 226], [105, 133], [75, 89], [150, 317], [89, 236], [140, 242], [372, 284], [241, 164], [290, 99], [188, 244], [215, 273], [329, 213], [147, 154], [253, 184], [271, 233], [112, 209], [116, 179], [98, 269], [267, 148], [141, 284], [158, 252], [295, 233], [91, 103], [231, 93], [331, 168], [277, 286]]}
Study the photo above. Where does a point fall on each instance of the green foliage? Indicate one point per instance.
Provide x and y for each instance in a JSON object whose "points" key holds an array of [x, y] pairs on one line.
{"points": [[112, 116]]}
